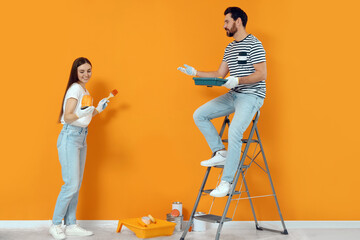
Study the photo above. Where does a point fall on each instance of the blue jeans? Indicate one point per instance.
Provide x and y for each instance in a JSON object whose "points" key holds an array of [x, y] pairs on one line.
{"points": [[72, 148], [245, 106]]}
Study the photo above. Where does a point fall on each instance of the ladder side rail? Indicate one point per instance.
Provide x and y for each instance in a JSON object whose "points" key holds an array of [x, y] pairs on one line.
{"points": [[196, 204], [226, 121], [217, 183], [243, 174], [251, 204], [221, 132], [271, 183], [237, 175]]}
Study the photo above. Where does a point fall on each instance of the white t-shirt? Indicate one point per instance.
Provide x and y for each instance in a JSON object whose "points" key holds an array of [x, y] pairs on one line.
{"points": [[77, 92]]}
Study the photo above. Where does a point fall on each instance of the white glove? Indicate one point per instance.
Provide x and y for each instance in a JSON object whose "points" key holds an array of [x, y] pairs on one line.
{"points": [[85, 112], [188, 70], [231, 82], [102, 105]]}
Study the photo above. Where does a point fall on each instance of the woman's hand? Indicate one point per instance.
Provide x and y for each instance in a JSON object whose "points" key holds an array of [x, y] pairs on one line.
{"points": [[85, 112], [70, 115], [102, 105]]}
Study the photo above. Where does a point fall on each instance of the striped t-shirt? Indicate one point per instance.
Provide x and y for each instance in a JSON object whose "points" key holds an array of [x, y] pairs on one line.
{"points": [[240, 57]]}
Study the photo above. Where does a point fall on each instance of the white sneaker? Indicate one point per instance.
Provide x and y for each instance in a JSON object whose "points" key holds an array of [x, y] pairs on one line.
{"points": [[76, 230], [222, 190], [57, 232], [218, 159]]}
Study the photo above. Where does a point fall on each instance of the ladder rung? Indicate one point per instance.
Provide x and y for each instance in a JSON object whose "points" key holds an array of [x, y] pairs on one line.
{"points": [[219, 166], [212, 218], [208, 191], [243, 140], [251, 140], [222, 166]]}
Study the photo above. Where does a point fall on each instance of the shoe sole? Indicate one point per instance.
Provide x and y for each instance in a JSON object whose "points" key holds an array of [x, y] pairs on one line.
{"points": [[57, 238], [212, 165], [218, 196]]}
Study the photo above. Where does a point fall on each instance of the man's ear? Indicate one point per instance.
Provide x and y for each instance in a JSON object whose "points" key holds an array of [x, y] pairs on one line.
{"points": [[238, 22]]}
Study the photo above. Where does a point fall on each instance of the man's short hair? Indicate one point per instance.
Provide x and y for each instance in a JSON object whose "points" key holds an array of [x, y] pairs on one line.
{"points": [[237, 13]]}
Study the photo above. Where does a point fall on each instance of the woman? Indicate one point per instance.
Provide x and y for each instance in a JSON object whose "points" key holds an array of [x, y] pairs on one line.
{"points": [[72, 147]]}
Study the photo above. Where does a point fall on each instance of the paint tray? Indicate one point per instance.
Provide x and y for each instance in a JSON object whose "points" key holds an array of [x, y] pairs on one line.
{"points": [[160, 228], [209, 81]]}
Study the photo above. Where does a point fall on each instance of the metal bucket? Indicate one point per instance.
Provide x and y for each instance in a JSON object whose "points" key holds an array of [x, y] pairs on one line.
{"points": [[178, 220], [199, 226]]}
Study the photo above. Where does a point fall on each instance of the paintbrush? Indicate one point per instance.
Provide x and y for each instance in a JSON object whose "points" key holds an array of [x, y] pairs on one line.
{"points": [[112, 94]]}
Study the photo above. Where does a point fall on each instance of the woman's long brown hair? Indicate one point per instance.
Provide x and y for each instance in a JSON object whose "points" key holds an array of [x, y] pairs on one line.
{"points": [[73, 78]]}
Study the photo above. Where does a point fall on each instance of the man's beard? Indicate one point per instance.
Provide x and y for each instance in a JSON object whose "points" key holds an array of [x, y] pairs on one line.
{"points": [[232, 31]]}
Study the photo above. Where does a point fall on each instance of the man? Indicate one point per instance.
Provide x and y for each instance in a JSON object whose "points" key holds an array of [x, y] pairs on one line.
{"points": [[245, 59]]}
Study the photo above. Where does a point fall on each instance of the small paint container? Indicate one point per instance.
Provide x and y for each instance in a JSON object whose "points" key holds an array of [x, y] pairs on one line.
{"points": [[178, 220], [178, 206], [199, 226], [86, 102]]}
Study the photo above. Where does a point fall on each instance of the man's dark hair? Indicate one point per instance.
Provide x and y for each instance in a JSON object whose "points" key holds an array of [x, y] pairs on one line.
{"points": [[237, 13]]}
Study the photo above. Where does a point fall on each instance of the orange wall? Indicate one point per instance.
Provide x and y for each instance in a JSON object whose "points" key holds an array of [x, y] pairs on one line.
{"points": [[144, 150]]}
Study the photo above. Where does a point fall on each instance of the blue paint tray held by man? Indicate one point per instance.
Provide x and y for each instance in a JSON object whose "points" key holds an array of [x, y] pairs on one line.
{"points": [[209, 82]]}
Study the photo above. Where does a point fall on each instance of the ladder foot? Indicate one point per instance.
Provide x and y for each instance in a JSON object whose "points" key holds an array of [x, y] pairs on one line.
{"points": [[285, 232], [259, 228]]}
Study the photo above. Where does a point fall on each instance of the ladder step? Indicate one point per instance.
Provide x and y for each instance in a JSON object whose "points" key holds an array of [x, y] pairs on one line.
{"points": [[211, 218], [251, 140], [222, 166], [243, 140], [208, 191]]}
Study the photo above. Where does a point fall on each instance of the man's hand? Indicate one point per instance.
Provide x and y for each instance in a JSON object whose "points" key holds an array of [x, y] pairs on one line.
{"points": [[231, 82], [188, 70]]}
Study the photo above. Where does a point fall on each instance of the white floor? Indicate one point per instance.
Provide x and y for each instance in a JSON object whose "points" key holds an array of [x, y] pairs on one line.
{"points": [[107, 232]]}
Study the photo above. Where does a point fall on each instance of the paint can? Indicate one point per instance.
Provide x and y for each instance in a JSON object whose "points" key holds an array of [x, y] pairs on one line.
{"points": [[199, 226], [86, 102], [178, 220], [178, 206]]}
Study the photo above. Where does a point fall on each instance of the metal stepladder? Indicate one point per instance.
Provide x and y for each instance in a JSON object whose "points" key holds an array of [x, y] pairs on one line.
{"points": [[241, 170]]}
